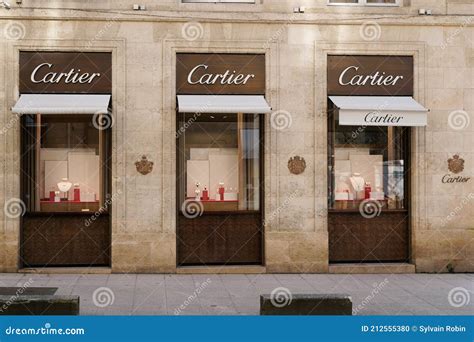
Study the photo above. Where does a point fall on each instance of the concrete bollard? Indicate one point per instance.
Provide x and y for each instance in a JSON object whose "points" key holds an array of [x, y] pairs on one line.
{"points": [[39, 305], [307, 304]]}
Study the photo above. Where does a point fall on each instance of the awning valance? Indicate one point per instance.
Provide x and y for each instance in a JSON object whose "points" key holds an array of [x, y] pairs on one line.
{"points": [[62, 104], [379, 111], [248, 104]]}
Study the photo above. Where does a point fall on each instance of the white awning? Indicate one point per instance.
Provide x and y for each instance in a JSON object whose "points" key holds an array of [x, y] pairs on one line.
{"points": [[62, 104], [249, 104], [379, 111]]}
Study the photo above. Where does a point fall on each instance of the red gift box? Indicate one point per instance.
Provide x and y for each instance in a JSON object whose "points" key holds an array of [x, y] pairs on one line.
{"points": [[77, 195], [205, 195], [221, 192]]}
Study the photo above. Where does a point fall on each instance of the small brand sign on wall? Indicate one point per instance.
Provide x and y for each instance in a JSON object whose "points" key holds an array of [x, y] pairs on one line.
{"points": [[65, 72], [455, 166], [220, 74], [370, 75]]}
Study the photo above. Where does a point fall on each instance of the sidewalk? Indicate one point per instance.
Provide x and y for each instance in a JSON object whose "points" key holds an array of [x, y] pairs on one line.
{"points": [[160, 294]]}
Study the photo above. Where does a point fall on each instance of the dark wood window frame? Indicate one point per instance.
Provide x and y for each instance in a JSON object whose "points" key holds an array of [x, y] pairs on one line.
{"points": [[225, 229], [52, 239]]}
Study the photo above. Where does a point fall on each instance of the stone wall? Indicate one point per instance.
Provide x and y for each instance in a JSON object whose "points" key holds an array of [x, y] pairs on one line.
{"points": [[143, 231]]}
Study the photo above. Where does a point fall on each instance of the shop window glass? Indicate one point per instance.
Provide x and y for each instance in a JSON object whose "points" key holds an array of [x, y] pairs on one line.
{"points": [[367, 163], [64, 163], [219, 161]]}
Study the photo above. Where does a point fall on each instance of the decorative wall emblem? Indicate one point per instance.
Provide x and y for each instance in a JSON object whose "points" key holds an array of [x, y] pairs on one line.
{"points": [[144, 166], [296, 165], [456, 164]]}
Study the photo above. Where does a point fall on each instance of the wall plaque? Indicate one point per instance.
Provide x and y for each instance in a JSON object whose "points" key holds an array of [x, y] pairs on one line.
{"points": [[296, 165], [220, 74], [455, 165], [370, 75], [65, 72], [144, 166]]}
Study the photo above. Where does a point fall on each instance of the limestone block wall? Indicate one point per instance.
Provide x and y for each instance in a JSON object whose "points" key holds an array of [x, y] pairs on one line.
{"points": [[143, 221]]}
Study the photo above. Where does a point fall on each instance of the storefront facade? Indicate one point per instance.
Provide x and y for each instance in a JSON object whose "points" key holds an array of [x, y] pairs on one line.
{"points": [[64, 110], [254, 133]]}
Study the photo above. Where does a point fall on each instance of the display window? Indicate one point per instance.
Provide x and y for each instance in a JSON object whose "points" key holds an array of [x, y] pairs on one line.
{"points": [[220, 161], [219, 147], [367, 163], [66, 123], [371, 114], [64, 163]]}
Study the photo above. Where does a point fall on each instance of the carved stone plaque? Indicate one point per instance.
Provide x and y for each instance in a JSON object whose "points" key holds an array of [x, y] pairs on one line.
{"points": [[296, 165], [456, 164], [144, 166]]}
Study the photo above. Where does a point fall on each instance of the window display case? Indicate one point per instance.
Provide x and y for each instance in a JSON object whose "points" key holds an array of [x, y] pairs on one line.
{"points": [[220, 161], [366, 164], [65, 158]]}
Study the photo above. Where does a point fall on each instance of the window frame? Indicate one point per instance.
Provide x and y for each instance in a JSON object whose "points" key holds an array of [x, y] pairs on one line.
{"points": [[180, 166], [104, 171], [364, 3], [406, 152]]}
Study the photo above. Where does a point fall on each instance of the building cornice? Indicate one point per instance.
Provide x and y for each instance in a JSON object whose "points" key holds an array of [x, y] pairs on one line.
{"points": [[236, 17]]}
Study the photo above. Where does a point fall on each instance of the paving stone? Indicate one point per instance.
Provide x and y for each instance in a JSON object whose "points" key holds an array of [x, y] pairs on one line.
{"points": [[239, 293]]}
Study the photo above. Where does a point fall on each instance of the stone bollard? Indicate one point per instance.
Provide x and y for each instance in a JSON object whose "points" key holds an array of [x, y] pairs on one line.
{"points": [[39, 305], [307, 304]]}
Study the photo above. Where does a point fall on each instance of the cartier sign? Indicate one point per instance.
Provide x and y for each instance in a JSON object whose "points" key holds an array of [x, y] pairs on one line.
{"points": [[220, 74], [370, 75], [65, 72]]}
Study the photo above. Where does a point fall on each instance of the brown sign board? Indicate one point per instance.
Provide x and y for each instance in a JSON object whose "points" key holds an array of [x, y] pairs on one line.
{"points": [[65, 72], [370, 75], [220, 74]]}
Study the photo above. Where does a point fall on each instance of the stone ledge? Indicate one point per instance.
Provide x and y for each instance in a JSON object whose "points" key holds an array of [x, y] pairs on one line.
{"points": [[39, 305], [368, 268], [308, 304], [67, 270], [221, 270]]}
